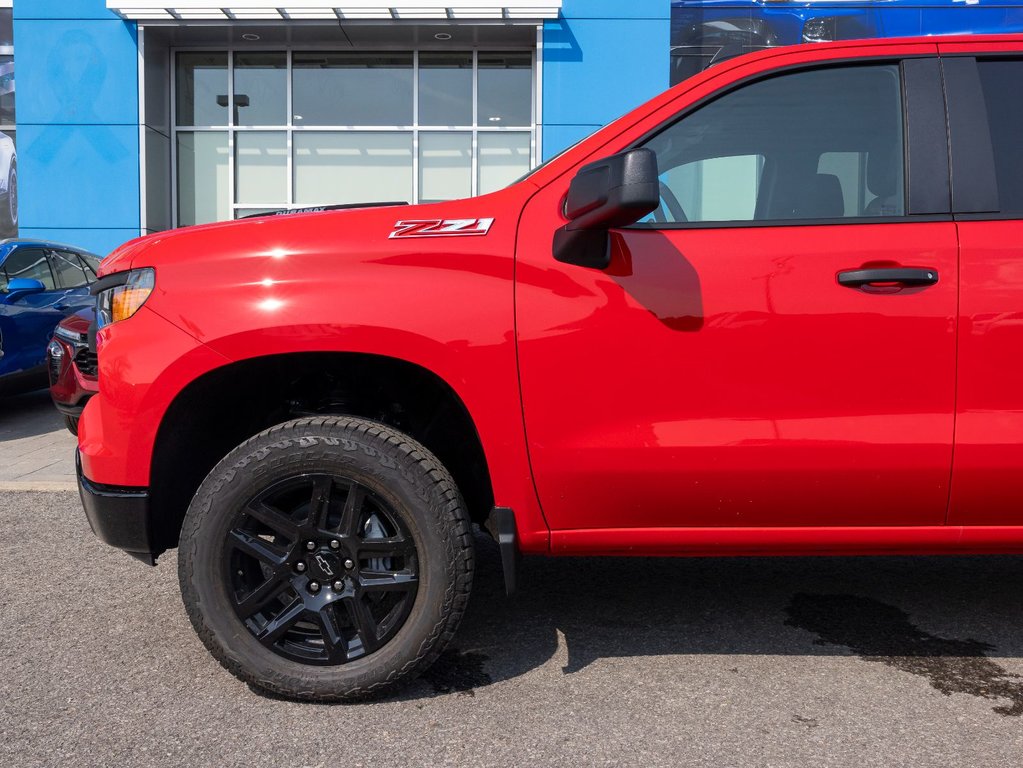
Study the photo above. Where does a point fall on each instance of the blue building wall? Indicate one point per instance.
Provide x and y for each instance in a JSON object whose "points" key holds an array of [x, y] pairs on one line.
{"points": [[78, 135], [601, 59], [78, 120]]}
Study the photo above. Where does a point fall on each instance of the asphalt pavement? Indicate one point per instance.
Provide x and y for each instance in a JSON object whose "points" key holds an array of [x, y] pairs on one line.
{"points": [[706, 662]]}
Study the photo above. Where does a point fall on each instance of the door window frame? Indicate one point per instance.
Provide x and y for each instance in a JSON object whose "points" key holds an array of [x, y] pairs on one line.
{"points": [[926, 145], [53, 254], [46, 258], [974, 179]]}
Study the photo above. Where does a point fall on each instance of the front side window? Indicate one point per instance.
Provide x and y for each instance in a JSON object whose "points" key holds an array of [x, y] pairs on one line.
{"points": [[30, 264], [810, 145]]}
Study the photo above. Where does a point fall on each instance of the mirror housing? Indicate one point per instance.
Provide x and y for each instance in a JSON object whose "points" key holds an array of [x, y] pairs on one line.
{"points": [[20, 287], [613, 192]]}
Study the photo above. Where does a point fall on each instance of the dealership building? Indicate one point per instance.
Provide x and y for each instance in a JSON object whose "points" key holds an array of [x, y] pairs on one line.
{"points": [[134, 116]]}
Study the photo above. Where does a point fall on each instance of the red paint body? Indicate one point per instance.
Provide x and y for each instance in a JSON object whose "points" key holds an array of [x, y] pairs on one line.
{"points": [[713, 391]]}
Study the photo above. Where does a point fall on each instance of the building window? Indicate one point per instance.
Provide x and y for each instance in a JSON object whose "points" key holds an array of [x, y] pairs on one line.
{"points": [[8, 155], [264, 130]]}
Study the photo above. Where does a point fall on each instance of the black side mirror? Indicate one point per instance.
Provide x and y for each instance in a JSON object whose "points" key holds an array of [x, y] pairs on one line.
{"points": [[613, 192]]}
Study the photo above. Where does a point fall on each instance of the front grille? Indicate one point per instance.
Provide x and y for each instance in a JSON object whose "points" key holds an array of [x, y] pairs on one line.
{"points": [[87, 362]]}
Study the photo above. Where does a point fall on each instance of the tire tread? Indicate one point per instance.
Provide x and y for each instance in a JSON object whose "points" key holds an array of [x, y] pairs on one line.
{"points": [[432, 481]]}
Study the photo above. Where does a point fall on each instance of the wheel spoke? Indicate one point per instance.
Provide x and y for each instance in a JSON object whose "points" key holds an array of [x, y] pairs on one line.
{"points": [[284, 620], [272, 518], [314, 525], [263, 595], [333, 640], [364, 623], [396, 547], [352, 513], [255, 547], [399, 581], [319, 504]]}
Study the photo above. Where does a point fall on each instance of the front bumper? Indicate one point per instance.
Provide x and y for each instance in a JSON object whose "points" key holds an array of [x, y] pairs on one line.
{"points": [[70, 388], [119, 517]]}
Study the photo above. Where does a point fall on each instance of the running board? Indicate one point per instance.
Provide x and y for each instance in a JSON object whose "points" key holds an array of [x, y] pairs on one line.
{"points": [[501, 525]]}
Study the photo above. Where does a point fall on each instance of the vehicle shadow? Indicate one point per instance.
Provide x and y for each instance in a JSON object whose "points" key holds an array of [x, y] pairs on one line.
{"points": [[28, 415], [942, 618]]}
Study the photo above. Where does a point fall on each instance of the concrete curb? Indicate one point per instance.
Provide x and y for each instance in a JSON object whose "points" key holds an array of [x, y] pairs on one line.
{"points": [[38, 485]]}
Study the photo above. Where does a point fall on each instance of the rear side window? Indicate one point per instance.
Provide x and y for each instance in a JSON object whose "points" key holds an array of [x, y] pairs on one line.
{"points": [[1003, 96], [91, 265], [800, 146], [29, 263], [70, 273]]}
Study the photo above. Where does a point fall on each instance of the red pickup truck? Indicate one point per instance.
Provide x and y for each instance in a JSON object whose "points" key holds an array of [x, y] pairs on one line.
{"points": [[776, 310]]}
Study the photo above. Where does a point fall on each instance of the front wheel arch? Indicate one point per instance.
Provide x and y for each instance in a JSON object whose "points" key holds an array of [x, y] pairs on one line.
{"points": [[222, 408]]}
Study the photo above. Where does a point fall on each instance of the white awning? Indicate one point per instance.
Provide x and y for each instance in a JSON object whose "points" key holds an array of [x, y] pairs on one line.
{"points": [[336, 10]]}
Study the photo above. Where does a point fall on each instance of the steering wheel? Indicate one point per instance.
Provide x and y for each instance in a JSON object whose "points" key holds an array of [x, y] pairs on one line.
{"points": [[672, 204]]}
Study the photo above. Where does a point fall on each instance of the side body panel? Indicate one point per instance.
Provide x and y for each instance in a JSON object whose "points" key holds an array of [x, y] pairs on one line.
{"points": [[326, 282]]}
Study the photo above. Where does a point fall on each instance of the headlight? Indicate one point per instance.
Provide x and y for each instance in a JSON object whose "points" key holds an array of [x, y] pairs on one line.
{"points": [[820, 30], [69, 336], [123, 298]]}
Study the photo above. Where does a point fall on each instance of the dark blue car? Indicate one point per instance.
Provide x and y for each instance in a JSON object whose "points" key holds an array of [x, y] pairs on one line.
{"points": [[706, 31], [40, 284]]}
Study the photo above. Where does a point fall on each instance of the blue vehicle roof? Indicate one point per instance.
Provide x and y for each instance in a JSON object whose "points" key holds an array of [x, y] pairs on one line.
{"points": [[9, 243]]}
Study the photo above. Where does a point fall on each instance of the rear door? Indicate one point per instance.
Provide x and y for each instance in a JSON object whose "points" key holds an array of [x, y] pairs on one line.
{"points": [[985, 99], [747, 359]]}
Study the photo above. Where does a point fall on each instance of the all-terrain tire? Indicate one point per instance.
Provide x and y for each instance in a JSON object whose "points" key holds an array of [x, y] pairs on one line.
{"points": [[396, 467]]}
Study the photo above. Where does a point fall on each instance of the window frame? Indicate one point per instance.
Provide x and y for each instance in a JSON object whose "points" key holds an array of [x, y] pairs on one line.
{"points": [[924, 135], [975, 194], [54, 254], [91, 272], [532, 130]]}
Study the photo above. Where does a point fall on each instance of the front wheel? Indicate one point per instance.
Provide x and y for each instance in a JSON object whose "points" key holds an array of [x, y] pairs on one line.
{"points": [[326, 559]]}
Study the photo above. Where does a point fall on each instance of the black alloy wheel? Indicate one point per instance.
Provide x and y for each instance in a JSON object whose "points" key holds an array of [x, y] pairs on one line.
{"points": [[320, 569], [326, 559]]}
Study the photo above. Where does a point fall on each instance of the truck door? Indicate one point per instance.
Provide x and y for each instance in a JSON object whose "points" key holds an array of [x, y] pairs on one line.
{"points": [[775, 346]]}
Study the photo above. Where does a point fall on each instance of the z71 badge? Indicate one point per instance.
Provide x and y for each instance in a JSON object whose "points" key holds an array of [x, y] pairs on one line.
{"points": [[441, 228]]}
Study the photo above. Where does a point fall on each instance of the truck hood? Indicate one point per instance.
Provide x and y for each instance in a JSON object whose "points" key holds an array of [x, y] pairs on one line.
{"points": [[285, 275], [346, 233]]}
